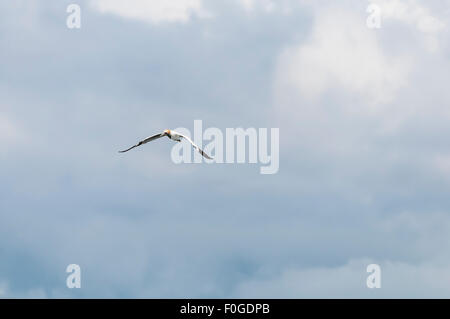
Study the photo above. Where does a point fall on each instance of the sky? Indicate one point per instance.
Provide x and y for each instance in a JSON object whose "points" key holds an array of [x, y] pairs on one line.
{"points": [[364, 174]]}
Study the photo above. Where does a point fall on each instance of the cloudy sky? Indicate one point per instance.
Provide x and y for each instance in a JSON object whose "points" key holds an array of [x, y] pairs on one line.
{"points": [[364, 172]]}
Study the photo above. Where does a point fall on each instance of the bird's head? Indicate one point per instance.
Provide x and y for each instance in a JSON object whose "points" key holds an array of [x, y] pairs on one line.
{"points": [[167, 132]]}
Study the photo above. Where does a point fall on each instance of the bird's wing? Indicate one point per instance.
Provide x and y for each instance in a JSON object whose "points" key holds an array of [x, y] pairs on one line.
{"points": [[196, 147], [148, 139]]}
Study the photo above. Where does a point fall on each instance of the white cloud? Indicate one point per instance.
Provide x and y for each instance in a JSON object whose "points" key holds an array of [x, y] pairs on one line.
{"points": [[251, 5], [398, 280], [153, 11], [415, 15], [411, 13], [442, 164], [341, 53], [3, 289], [9, 132], [5, 292], [426, 273], [348, 89], [268, 6]]}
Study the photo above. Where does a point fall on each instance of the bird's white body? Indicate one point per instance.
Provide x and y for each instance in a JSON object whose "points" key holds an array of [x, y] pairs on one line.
{"points": [[174, 136]]}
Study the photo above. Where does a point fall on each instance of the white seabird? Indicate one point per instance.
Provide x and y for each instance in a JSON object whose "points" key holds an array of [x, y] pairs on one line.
{"points": [[173, 136]]}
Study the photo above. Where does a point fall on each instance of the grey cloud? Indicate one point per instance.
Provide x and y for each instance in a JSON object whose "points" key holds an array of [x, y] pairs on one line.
{"points": [[353, 185]]}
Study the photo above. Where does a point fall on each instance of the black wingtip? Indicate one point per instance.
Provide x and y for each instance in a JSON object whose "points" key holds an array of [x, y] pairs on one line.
{"points": [[206, 155], [129, 149]]}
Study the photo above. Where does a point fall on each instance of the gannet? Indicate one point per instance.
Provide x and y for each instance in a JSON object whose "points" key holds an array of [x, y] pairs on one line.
{"points": [[173, 136]]}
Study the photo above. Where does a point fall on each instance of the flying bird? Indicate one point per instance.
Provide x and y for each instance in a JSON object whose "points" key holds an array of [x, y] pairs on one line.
{"points": [[173, 136]]}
